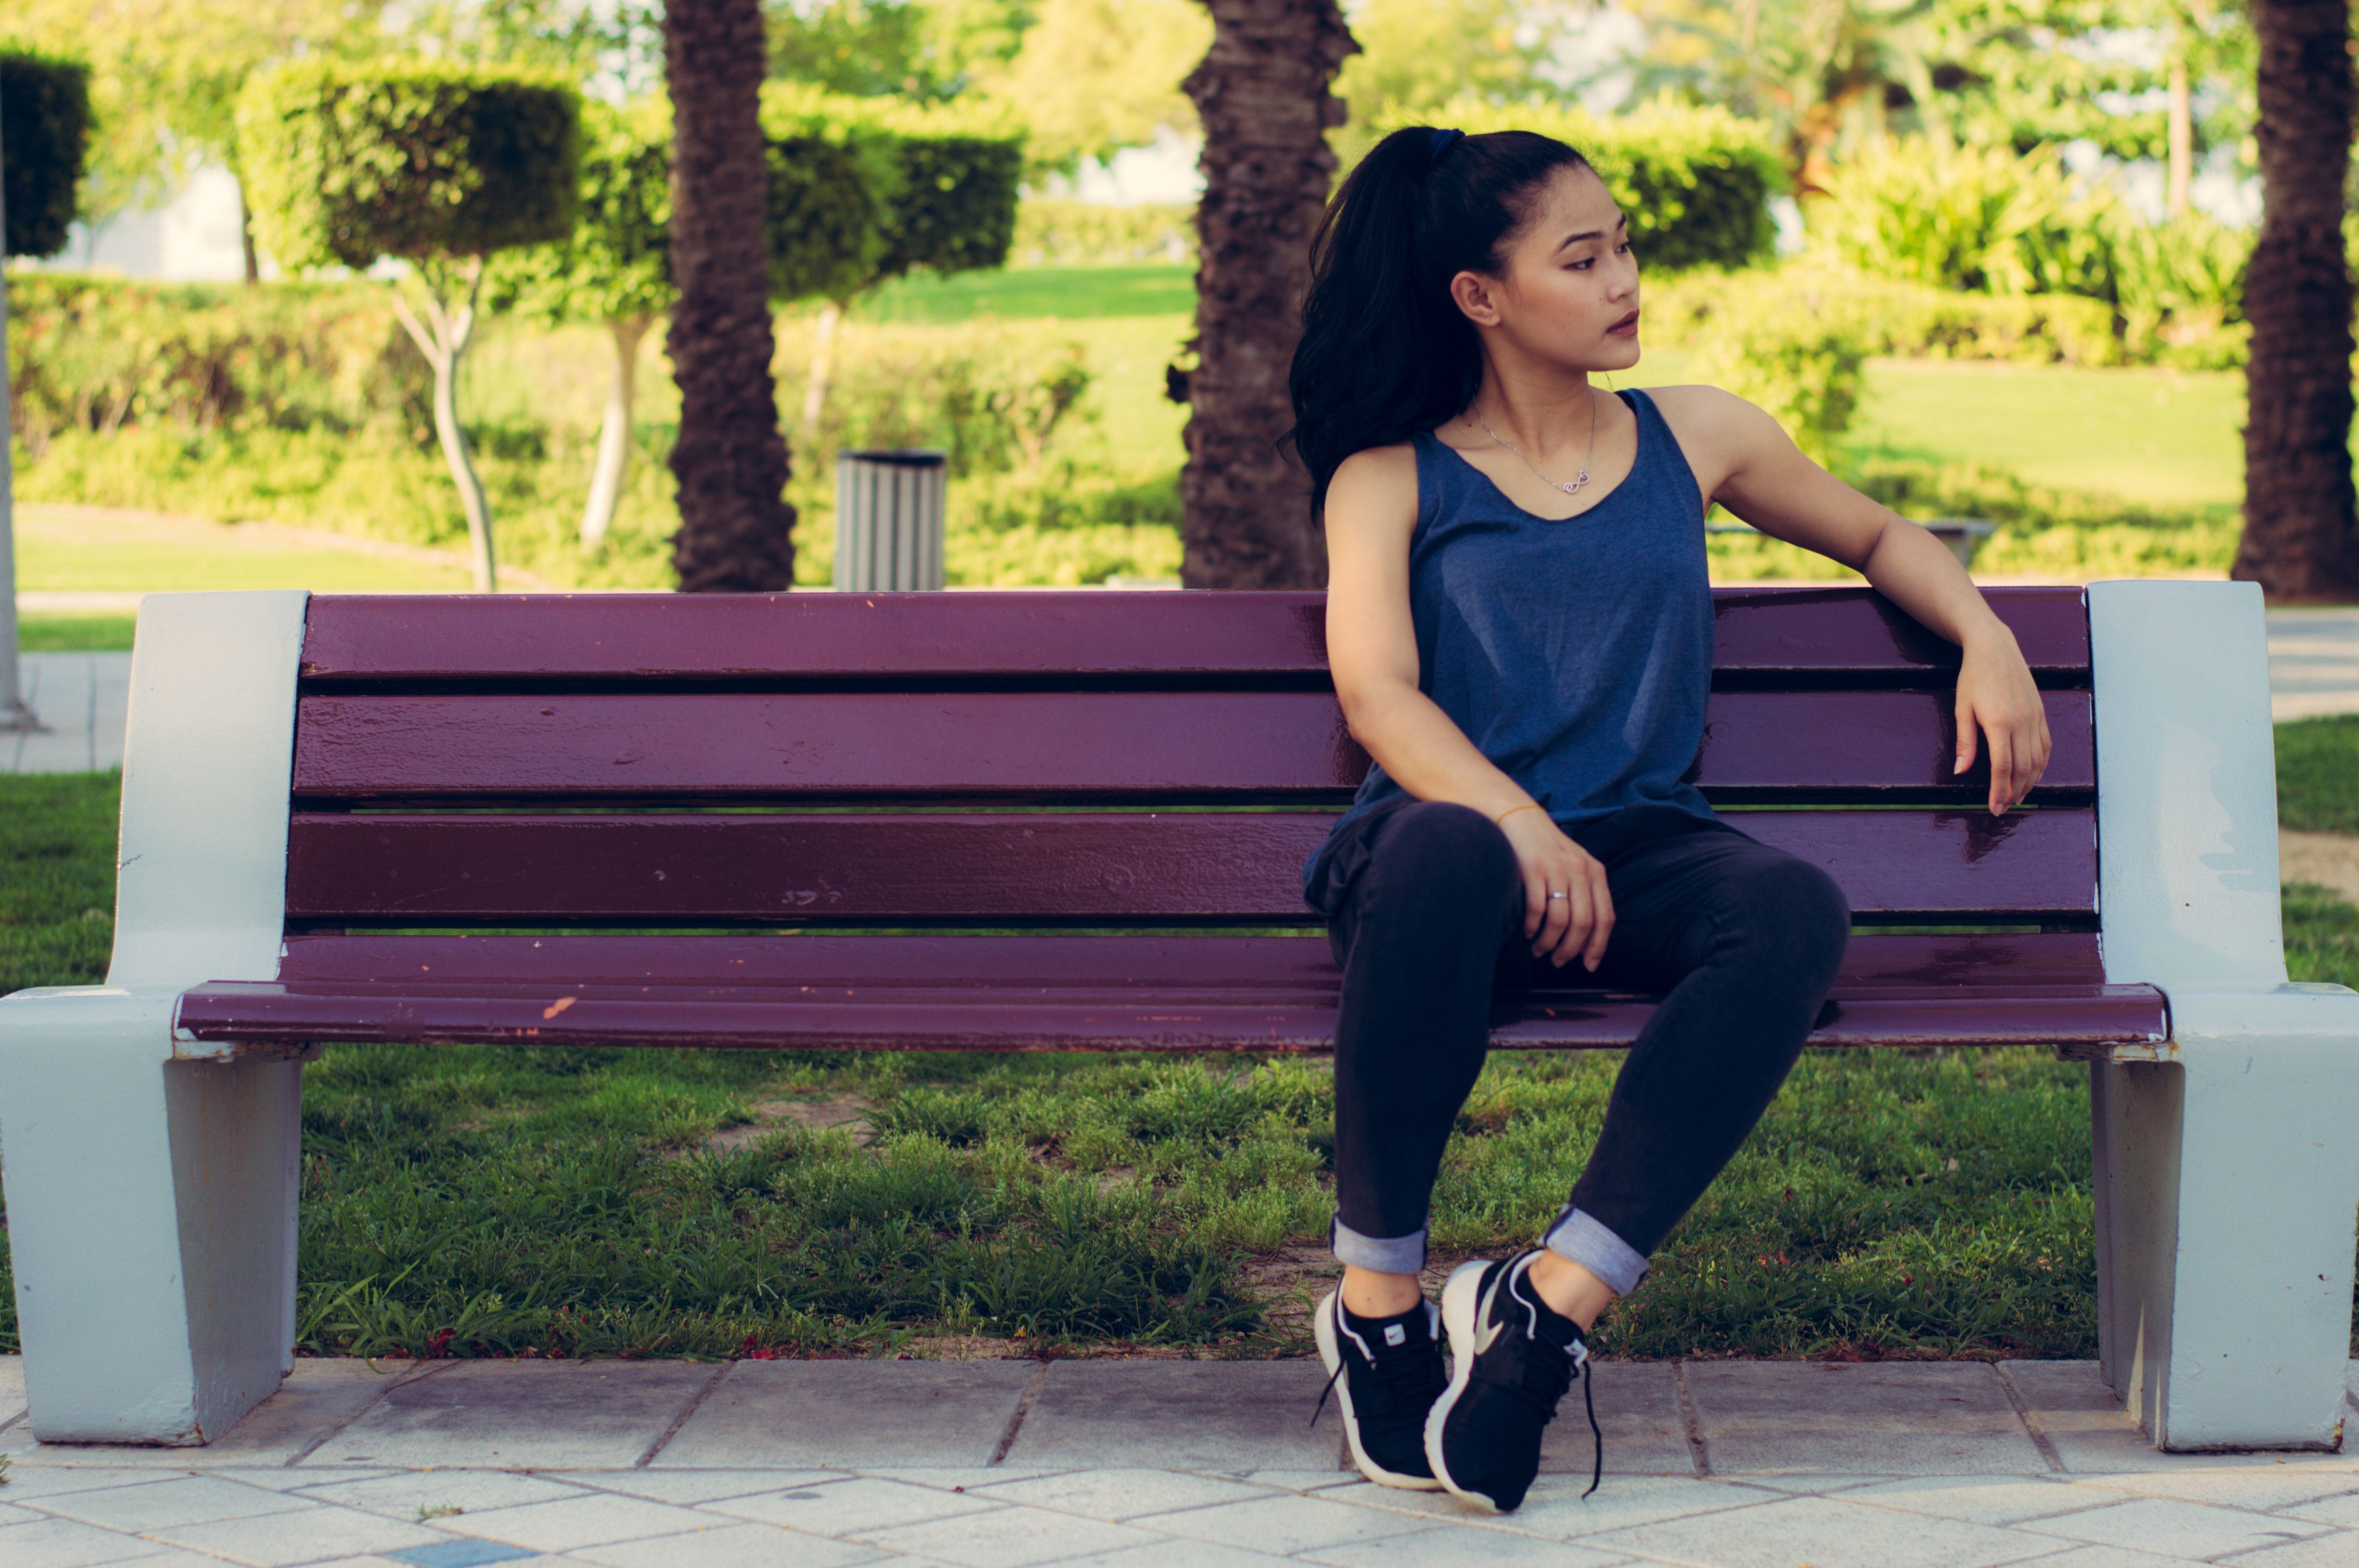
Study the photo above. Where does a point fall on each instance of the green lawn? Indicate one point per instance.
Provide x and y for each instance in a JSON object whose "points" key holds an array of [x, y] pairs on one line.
{"points": [[466, 1200], [76, 552], [54, 634], [1068, 293]]}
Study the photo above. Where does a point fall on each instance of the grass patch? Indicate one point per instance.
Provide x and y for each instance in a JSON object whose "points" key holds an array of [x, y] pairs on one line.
{"points": [[2317, 774], [1066, 294], [482, 1201], [75, 633]]}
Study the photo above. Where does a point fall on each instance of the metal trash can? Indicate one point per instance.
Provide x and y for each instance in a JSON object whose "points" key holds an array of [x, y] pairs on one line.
{"points": [[888, 521]]}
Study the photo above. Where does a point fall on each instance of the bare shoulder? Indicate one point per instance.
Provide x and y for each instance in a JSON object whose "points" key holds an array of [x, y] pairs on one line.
{"points": [[1376, 488], [1715, 428]]}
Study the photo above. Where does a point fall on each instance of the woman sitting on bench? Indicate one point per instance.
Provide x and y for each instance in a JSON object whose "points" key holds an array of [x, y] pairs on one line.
{"points": [[1520, 629]]}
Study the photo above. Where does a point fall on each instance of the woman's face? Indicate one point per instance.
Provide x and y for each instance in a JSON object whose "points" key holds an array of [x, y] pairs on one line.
{"points": [[1569, 292]]}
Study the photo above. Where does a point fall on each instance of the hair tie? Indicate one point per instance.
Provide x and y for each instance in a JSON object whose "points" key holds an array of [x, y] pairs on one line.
{"points": [[1441, 143]]}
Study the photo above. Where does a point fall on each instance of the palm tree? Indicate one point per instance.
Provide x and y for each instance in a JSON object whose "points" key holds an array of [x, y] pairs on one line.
{"points": [[1262, 94], [735, 527], [2301, 542]]}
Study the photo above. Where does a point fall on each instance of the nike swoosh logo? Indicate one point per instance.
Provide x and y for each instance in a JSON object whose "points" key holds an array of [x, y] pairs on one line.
{"points": [[1487, 1329]]}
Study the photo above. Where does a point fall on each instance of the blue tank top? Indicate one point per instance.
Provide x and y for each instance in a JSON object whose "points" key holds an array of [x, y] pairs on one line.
{"points": [[1575, 654]]}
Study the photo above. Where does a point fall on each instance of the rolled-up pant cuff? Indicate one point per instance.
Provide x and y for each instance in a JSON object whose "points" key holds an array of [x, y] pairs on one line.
{"points": [[1578, 1238], [1385, 1254]]}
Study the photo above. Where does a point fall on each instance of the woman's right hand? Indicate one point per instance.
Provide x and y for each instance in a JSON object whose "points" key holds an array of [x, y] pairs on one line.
{"points": [[1577, 923]]}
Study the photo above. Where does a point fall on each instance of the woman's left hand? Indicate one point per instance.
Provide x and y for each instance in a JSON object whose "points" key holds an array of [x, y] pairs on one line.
{"points": [[1998, 699]]}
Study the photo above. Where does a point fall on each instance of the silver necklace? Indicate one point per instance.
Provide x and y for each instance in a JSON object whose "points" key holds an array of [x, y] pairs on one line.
{"points": [[1572, 486]]}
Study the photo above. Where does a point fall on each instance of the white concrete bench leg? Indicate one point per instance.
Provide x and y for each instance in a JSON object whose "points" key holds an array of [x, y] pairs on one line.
{"points": [[151, 1185], [151, 1208], [2227, 1169]]}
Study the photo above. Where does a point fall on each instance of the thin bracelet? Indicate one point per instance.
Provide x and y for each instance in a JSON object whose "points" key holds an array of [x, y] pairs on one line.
{"points": [[1501, 820]]}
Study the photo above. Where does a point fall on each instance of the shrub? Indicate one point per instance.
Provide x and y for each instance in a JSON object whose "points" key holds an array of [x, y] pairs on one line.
{"points": [[44, 134], [1087, 233], [1803, 365], [1889, 318], [1695, 183], [345, 163], [100, 354]]}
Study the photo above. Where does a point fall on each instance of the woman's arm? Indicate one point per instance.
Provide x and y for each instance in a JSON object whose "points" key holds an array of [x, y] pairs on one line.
{"points": [[1372, 655], [1764, 479]]}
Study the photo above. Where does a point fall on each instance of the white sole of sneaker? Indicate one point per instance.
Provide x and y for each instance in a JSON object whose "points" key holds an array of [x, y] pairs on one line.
{"points": [[1460, 1298], [1331, 1353]]}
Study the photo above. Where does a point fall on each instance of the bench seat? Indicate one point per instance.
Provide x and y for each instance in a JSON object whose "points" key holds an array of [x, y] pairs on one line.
{"points": [[1066, 993]]}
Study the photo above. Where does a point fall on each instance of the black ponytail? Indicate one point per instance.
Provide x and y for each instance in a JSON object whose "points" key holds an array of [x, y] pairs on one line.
{"points": [[1385, 351]]}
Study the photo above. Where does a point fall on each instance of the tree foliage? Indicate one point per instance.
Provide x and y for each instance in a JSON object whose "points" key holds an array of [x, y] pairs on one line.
{"points": [[348, 163], [43, 137], [1094, 76], [616, 263]]}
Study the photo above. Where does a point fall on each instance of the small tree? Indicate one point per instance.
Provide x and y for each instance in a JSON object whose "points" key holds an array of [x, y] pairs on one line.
{"points": [[615, 268], [43, 137], [943, 187], [434, 166]]}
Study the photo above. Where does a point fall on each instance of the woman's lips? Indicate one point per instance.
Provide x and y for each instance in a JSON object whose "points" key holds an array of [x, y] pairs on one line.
{"points": [[1626, 328]]}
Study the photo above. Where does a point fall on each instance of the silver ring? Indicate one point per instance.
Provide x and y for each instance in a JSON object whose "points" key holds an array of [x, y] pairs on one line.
{"points": [[1559, 895]]}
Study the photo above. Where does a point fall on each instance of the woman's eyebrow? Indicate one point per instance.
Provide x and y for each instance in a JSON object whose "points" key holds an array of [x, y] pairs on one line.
{"points": [[1589, 235]]}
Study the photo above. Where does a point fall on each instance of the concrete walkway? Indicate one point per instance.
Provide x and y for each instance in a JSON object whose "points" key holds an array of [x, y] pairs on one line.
{"points": [[1154, 1465], [2313, 669]]}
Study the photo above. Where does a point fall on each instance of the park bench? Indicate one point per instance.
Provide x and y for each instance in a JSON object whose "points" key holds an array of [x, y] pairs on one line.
{"points": [[1041, 821]]}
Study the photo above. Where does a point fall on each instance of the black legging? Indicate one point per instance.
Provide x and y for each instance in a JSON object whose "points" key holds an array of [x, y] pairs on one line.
{"points": [[1426, 910]]}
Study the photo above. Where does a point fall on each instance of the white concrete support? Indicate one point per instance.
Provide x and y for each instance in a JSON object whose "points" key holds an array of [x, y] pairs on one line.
{"points": [[2228, 1167], [151, 1196]]}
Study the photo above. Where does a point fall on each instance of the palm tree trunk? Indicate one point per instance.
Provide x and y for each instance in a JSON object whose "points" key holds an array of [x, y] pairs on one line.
{"points": [[737, 531], [1262, 94], [613, 431], [2300, 542]]}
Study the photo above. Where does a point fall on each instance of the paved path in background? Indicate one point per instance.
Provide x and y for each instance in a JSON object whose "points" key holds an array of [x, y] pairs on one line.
{"points": [[1155, 1464]]}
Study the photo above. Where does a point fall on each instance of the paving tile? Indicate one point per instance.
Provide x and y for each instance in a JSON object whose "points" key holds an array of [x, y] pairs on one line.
{"points": [[689, 1487], [27, 1482], [2339, 1550], [1306, 1480], [1286, 1524], [11, 1514], [1556, 1509], [451, 1555], [2343, 1510], [842, 1508], [1803, 1483], [1121, 1494], [1826, 1532], [730, 1546], [1638, 1410], [2106, 1557], [521, 1415], [1223, 1416], [279, 1541], [1468, 1544], [956, 1477], [279, 1478], [182, 1499], [67, 1543], [1164, 1555], [853, 1415], [1983, 1499], [448, 1555], [2169, 1527], [592, 1519], [2082, 1418], [1894, 1417], [317, 1395], [1009, 1537], [12, 1388], [2264, 1489], [469, 1491]]}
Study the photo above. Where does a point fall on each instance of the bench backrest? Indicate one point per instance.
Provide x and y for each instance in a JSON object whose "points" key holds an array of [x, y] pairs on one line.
{"points": [[1080, 760]]}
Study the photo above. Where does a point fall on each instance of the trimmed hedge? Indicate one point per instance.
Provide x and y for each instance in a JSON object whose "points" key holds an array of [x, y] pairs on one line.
{"points": [[348, 162], [1695, 183], [44, 134], [616, 262]]}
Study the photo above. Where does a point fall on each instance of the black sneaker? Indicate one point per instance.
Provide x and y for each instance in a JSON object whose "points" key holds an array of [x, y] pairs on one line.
{"points": [[1512, 1360], [1388, 1372]]}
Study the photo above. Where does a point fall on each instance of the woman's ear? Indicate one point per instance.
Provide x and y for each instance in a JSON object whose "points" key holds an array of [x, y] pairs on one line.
{"points": [[1477, 298]]}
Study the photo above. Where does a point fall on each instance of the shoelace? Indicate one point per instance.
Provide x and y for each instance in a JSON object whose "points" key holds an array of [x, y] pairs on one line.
{"points": [[1596, 1437], [1400, 1370]]}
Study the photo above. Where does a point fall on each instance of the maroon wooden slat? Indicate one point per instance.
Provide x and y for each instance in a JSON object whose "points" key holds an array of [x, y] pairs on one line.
{"points": [[1230, 866], [1762, 632], [1047, 746], [1035, 965], [2082, 1018], [1095, 634]]}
